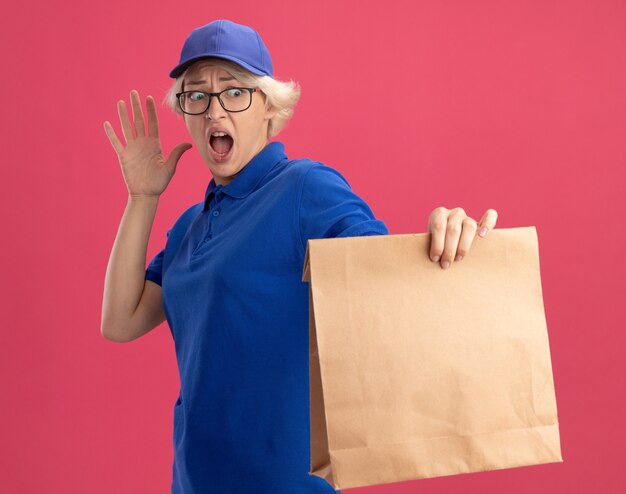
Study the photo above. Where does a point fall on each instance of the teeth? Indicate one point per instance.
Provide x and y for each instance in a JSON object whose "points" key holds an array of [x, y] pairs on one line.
{"points": [[218, 134]]}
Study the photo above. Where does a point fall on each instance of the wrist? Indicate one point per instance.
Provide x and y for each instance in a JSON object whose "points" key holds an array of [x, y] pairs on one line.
{"points": [[143, 198]]}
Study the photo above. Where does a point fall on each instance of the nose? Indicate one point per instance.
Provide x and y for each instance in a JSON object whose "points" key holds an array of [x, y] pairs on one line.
{"points": [[215, 110]]}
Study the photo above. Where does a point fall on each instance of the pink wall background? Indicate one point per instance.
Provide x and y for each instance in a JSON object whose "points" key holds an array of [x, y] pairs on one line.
{"points": [[516, 106]]}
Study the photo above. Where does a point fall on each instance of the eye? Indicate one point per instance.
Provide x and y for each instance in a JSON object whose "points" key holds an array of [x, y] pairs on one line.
{"points": [[234, 92], [196, 96]]}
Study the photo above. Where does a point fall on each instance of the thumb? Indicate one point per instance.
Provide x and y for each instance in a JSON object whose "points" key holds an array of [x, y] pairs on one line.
{"points": [[176, 153]]}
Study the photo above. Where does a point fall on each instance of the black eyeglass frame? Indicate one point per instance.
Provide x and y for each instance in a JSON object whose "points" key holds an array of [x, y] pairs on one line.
{"points": [[219, 98]]}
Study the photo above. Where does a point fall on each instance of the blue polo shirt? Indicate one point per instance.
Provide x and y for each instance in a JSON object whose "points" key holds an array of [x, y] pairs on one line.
{"points": [[235, 302]]}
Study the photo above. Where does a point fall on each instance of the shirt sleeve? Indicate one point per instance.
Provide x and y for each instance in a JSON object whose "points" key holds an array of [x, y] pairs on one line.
{"points": [[329, 208], [154, 271]]}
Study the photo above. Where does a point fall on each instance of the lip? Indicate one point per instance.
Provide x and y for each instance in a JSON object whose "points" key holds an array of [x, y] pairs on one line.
{"points": [[218, 158], [217, 129]]}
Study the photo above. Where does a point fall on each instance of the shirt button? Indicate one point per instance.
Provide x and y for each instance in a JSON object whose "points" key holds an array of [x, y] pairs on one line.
{"points": [[216, 212]]}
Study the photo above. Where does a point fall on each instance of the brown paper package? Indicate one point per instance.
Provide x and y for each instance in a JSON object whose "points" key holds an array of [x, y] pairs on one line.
{"points": [[418, 371]]}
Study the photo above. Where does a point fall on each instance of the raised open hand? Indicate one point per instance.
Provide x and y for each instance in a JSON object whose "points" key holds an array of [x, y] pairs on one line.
{"points": [[145, 170]]}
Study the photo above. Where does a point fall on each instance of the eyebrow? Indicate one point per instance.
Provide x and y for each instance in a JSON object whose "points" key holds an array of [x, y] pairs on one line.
{"points": [[222, 79]]}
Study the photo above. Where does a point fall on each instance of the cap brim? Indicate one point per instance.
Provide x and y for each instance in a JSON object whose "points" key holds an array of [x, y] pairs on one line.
{"points": [[180, 68]]}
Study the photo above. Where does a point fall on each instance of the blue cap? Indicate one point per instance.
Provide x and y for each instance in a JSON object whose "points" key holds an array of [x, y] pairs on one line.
{"points": [[228, 40]]}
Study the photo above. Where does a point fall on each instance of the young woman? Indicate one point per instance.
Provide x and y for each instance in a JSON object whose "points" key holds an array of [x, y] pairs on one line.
{"points": [[228, 280]]}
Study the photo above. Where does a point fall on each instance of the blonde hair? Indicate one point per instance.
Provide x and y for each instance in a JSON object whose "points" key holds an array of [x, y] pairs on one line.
{"points": [[282, 95]]}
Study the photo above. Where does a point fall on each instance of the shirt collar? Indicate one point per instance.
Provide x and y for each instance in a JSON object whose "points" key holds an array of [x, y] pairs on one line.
{"points": [[251, 174]]}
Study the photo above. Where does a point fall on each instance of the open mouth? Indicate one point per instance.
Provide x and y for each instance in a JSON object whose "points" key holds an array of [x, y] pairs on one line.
{"points": [[221, 145]]}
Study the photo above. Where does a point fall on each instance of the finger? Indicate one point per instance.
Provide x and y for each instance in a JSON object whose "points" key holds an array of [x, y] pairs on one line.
{"points": [[487, 222], [176, 153], [127, 130], [115, 142], [153, 121], [453, 234], [467, 237], [437, 225], [137, 113]]}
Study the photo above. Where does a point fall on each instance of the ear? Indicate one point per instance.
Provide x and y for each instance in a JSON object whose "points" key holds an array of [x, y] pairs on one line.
{"points": [[270, 113]]}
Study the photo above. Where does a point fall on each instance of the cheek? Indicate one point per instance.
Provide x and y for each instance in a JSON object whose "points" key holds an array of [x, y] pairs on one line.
{"points": [[196, 132], [256, 124]]}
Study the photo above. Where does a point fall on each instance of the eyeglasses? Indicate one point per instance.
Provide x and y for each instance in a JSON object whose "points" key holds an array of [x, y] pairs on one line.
{"points": [[233, 99]]}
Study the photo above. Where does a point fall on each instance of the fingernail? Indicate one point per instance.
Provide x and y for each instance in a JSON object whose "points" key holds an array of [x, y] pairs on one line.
{"points": [[483, 231], [435, 258], [458, 258], [445, 264]]}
